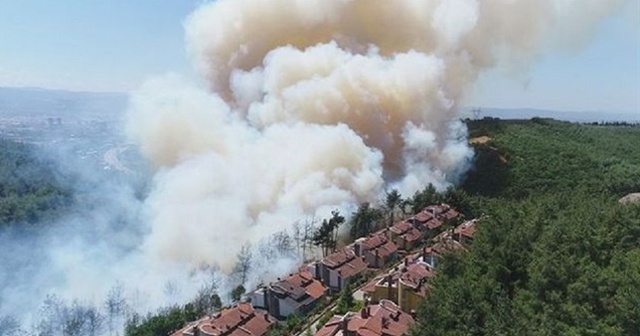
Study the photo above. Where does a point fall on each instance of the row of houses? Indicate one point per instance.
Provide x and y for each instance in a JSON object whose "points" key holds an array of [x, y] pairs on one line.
{"points": [[393, 298], [299, 293], [408, 283], [380, 248]]}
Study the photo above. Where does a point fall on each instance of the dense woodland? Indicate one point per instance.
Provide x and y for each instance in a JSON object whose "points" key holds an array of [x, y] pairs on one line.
{"points": [[557, 254], [30, 189]]}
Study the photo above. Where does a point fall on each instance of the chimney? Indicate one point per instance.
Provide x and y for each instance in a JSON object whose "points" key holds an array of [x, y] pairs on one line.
{"points": [[356, 249], [377, 260], [424, 253], [406, 261], [396, 316], [345, 324], [364, 313], [389, 287]]}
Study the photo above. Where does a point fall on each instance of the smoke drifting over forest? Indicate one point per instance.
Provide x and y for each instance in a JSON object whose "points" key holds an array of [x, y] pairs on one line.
{"points": [[308, 106]]}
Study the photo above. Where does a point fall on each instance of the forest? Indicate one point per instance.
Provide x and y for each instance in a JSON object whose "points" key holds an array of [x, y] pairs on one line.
{"points": [[30, 189], [556, 253]]}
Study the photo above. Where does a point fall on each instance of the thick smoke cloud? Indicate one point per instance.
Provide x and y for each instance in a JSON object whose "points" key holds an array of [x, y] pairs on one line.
{"points": [[307, 106], [314, 105]]}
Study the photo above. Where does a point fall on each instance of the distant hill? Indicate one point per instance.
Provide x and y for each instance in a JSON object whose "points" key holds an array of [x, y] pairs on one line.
{"points": [[572, 116], [37, 102]]}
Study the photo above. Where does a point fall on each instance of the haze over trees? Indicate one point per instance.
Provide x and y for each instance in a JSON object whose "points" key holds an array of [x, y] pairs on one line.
{"points": [[30, 190]]}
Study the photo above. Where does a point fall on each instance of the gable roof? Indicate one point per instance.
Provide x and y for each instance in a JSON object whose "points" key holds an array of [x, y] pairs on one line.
{"points": [[467, 229], [345, 262], [373, 241], [401, 227], [299, 285], [384, 318], [339, 258], [241, 320], [412, 235]]}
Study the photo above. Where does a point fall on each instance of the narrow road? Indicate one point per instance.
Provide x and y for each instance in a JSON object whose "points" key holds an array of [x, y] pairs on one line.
{"points": [[110, 158]]}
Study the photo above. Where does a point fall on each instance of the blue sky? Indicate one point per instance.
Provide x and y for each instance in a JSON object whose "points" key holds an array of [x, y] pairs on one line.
{"points": [[96, 45]]}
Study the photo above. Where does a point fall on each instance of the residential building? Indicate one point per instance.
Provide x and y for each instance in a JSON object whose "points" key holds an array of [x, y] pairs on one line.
{"points": [[382, 319], [413, 284], [297, 294], [406, 285], [383, 287], [376, 249], [241, 320], [464, 232], [405, 235], [444, 243], [339, 268], [433, 217]]}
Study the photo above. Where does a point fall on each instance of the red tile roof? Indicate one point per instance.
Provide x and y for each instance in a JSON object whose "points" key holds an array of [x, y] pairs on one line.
{"points": [[385, 318], [387, 249], [241, 320], [373, 240], [467, 228], [345, 262], [423, 216], [339, 258], [353, 267], [415, 276], [441, 211], [301, 282], [433, 224], [401, 227], [378, 243], [412, 235]]}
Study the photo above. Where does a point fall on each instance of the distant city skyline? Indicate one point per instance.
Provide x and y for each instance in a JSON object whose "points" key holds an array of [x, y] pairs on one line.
{"points": [[116, 46]]}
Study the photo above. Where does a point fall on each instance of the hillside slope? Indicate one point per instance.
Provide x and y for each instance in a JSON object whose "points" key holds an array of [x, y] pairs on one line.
{"points": [[30, 189], [557, 255]]}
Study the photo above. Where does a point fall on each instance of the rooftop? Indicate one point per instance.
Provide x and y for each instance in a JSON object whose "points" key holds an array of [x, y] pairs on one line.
{"points": [[401, 227], [384, 318], [374, 240], [345, 262], [467, 229], [415, 276], [339, 258], [299, 285], [241, 320]]}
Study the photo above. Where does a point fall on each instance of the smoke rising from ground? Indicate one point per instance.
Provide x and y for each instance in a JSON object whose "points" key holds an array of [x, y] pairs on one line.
{"points": [[309, 106], [315, 105]]}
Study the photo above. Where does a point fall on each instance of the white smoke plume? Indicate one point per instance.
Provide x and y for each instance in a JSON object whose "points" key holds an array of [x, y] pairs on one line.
{"points": [[314, 105], [309, 106]]}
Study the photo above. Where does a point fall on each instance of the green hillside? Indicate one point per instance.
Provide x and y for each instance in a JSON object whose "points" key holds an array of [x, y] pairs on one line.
{"points": [[557, 254], [30, 191]]}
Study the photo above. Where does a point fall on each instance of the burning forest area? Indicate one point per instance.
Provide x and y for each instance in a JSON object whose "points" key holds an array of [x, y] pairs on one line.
{"points": [[319, 173]]}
